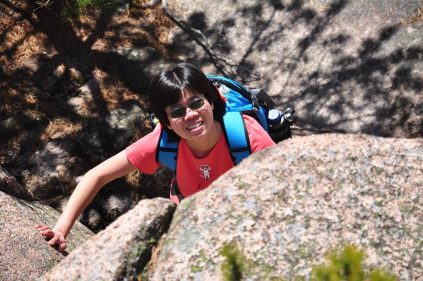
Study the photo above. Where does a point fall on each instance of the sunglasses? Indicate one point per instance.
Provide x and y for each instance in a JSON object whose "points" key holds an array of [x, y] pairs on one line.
{"points": [[181, 111]]}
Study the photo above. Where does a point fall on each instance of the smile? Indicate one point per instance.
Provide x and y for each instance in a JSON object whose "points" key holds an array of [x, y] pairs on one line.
{"points": [[195, 125]]}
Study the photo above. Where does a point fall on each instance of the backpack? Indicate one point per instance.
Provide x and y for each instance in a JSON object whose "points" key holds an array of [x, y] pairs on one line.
{"points": [[239, 100]]}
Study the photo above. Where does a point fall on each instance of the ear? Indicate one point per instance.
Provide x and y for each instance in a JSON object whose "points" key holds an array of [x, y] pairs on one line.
{"points": [[169, 126]]}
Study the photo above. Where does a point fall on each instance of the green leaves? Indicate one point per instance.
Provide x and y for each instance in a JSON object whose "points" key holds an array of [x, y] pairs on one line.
{"points": [[72, 9], [347, 265], [233, 268]]}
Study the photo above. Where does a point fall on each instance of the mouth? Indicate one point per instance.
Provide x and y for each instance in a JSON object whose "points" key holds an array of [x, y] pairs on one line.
{"points": [[194, 125]]}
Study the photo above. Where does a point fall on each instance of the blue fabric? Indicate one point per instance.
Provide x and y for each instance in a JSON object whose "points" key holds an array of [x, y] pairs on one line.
{"points": [[238, 100], [167, 151], [236, 136]]}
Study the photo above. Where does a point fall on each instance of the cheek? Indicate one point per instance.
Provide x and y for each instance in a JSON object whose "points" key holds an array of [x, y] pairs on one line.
{"points": [[209, 110], [172, 124]]}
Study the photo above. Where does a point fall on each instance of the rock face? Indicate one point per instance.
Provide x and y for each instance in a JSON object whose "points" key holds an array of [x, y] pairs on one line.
{"points": [[346, 66], [24, 254], [285, 207], [121, 251], [9, 185]]}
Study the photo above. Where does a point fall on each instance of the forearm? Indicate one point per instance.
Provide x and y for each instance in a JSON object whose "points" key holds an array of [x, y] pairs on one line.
{"points": [[88, 187], [83, 194]]}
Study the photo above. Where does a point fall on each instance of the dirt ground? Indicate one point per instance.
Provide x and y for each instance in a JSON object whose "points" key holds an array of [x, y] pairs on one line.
{"points": [[45, 59]]}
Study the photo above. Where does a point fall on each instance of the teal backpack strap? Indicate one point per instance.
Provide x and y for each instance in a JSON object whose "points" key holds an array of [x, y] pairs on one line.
{"points": [[236, 136], [166, 154], [167, 151]]}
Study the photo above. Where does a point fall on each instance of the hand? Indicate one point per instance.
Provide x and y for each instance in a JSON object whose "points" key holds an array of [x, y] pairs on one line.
{"points": [[56, 238]]}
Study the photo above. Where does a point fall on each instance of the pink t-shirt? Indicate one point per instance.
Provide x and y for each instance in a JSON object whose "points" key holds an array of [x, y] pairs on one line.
{"points": [[192, 173]]}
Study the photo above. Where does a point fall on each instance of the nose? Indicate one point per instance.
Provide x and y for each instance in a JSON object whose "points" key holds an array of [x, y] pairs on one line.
{"points": [[190, 113]]}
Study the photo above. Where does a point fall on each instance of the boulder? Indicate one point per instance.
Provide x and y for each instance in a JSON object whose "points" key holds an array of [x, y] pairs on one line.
{"points": [[284, 208], [24, 253], [345, 66], [106, 207], [122, 250], [47, 172], [139, 64], [50, 173], [104, 138], [10, 185]]}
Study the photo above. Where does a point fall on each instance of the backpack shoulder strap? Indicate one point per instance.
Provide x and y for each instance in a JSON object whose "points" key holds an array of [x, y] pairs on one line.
{"points": [[167, 151], [236, 136], [233, 85], [167, 154]]}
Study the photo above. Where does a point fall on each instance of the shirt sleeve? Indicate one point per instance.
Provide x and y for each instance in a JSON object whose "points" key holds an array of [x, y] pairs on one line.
{"points": [[259, 138], [142, 153]]}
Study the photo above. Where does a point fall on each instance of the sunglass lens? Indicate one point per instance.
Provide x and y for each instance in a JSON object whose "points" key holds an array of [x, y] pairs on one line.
{"points": [[178, 112], [196, 104], [181, 111]]}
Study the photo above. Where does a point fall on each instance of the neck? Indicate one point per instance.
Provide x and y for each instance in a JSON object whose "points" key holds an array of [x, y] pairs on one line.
{"points": [[202, 147]]}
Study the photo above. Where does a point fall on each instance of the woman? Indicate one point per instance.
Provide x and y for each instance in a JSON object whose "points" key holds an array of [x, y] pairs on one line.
{"points": [[188, 106]]}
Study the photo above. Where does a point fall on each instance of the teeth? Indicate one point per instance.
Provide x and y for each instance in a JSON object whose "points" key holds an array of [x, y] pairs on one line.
{"points": [[196, 125]]}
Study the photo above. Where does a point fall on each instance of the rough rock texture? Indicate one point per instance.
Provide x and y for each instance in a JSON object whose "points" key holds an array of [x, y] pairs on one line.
{"points": [[121, 251], [24, 254], [9, 185], [286, 207], [111, 135], [139, 65], [345, 65], [52, 170], [47, 171]]}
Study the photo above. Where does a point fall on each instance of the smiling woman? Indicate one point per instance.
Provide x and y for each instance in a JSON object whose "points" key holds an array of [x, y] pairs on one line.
{"points": [[190, 109], [182, 81], [197, 126]]}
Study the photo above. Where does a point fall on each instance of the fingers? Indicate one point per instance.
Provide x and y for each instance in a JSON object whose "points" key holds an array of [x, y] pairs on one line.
{"points": [[58, 242], [62, 247], [55, 238], [45, 231], [41, 227]]}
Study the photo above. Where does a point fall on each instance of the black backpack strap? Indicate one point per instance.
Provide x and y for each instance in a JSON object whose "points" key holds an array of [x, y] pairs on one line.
{"points": [[174, 189]]}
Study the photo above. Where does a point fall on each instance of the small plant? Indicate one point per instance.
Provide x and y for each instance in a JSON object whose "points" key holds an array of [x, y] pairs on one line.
{"points": [[347, 265], [72, 9], [341, 265], [234, 266]]}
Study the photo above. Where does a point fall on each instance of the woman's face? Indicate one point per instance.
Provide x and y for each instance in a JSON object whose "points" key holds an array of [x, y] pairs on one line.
{"points": [[191, 118]]}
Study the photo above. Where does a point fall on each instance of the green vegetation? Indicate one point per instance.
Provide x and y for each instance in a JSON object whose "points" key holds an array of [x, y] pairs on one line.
{"points": [[74, 8], [234, 266], [348, 265], [341, 265]]}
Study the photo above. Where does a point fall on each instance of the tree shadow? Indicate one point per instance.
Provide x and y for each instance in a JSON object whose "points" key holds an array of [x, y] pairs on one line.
{"points": [[317, 71], [72, 53], [339, 82], [36, 91]]}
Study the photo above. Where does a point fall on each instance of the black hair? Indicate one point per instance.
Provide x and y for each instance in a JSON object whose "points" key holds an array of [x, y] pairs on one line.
{"points": [[167, 87]]}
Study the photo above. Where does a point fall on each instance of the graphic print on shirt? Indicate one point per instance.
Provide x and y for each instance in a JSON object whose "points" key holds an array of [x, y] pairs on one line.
{"points": [[205, 170]]}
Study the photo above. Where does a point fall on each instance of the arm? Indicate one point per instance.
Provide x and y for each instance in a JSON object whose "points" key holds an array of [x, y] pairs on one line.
{"points": [[83, 194]]}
